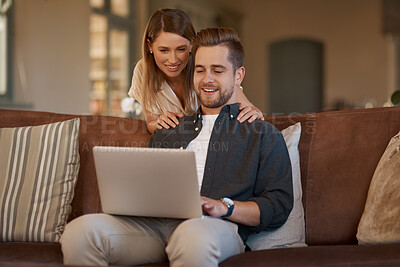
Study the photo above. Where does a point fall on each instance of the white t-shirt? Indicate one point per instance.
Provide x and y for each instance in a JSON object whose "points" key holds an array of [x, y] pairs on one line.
{"points": [[200, 145]]}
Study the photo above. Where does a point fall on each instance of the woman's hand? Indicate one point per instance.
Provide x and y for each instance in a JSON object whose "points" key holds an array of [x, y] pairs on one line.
{"points": [[168, 119], [249, 113]]}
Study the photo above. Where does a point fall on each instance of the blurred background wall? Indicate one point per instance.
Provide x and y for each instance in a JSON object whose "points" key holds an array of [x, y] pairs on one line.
{"points": [[77, 56]]}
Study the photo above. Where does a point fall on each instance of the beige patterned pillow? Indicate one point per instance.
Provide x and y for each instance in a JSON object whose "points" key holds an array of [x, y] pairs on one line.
{"points": [[380, 222], [38, 170]]}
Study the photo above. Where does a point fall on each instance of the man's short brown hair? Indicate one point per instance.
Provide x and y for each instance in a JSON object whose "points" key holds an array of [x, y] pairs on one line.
{"points": [[221, 36]]}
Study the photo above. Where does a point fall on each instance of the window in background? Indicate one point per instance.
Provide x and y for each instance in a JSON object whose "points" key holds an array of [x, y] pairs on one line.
{"points": [[391, 29], [110, 53], [120, 8], [5, 50], [98, 64], [97, 3], [119, 73], [3, 55], [397, 63]]}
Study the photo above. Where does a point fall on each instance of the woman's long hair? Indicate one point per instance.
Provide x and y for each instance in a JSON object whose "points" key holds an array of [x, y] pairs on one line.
{"points": [[173, 21]]}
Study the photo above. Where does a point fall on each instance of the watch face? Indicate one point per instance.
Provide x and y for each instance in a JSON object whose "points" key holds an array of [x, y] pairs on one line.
{"points": [[228, 201]]}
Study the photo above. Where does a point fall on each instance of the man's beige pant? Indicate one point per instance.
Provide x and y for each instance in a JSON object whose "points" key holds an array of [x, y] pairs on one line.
{"points": [[101, 239]]}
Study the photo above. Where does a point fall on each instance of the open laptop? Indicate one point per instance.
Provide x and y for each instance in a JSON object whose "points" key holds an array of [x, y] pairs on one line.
{"points": [[147, 182]]}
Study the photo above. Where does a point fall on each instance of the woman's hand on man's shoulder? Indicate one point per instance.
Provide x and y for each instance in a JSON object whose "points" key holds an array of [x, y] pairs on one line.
{"points": [[249, 113]]}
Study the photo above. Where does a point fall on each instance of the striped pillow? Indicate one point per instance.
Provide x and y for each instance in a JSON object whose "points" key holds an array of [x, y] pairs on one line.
{"points": [[38, 170]]}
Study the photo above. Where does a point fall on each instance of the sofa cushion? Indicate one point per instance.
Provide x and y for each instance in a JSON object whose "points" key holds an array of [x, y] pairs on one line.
{"points": [[292, 233], [38, 171], [380, 221]]}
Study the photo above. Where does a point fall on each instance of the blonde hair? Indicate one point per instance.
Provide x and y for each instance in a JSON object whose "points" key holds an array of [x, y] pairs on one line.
{"points": [[173, 21]]}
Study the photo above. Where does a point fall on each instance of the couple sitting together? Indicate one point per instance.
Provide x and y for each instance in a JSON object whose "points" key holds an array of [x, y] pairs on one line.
{"points": [[244, 190]]}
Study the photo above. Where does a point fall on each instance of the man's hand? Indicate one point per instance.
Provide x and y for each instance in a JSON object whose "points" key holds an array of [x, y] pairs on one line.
{"points": [[245, 212], [212, 207]]}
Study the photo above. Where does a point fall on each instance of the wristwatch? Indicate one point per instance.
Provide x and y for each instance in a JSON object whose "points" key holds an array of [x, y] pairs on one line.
{"points": [[229, 204]]}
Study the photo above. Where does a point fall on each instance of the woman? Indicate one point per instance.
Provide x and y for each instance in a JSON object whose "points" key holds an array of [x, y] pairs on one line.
{"points": [[162, 79]]}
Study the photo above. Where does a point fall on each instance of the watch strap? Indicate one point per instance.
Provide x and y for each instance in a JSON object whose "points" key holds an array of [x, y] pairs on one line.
{"points": [[230, 208]]}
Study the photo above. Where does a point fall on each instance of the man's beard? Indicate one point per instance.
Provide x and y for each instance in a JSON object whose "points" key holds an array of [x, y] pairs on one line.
{"points": [[223, 98]]}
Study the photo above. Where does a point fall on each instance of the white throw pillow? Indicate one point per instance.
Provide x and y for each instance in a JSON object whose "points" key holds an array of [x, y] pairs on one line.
{"points": [[292, 233]]}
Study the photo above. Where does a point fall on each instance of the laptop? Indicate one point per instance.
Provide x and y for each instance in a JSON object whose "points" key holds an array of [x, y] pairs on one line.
{"points": [[149, 182]]}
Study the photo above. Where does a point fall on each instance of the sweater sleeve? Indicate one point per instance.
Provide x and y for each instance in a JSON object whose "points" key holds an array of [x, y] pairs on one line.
{"points": [[137, 79], [274, 187]]}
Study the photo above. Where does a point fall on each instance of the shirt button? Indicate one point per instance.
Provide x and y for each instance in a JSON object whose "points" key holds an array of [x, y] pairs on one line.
{"points": [[231, 116], [196, 129], [194, 121]]}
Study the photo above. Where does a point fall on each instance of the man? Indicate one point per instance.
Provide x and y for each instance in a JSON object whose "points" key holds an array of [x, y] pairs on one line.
{"points": [[244, 172]]}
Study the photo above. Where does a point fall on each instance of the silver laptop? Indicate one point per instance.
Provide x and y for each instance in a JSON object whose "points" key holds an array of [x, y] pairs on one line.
{"points": [[147, 182]]}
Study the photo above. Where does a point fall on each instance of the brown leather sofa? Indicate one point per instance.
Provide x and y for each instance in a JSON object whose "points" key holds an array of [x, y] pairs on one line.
{"points": [[339, 152]]}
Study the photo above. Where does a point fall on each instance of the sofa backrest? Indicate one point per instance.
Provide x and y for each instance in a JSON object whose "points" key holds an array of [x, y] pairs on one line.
{"points": [[339, 152]]}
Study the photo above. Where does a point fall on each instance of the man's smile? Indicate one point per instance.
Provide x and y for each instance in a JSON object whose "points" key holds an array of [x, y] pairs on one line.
{"points": [[209, 90]]}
